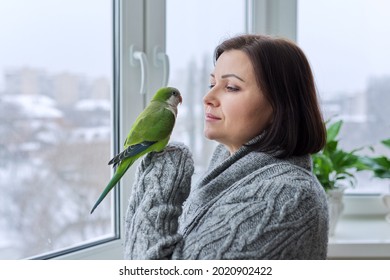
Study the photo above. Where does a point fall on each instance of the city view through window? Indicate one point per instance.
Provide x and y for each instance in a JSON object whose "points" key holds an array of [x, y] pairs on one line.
{"points": [[55, 124]]}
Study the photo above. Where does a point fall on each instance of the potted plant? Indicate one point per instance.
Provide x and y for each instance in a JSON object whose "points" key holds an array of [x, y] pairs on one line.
{"points": [[380, 167], [335, 169]]}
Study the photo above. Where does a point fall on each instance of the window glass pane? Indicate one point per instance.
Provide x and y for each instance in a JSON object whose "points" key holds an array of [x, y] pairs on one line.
{"points": [[55, 124], [194, 29], [348, 46]]}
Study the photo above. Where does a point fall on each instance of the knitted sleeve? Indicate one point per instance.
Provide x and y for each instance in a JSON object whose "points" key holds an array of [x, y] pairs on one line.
{"points": [[163, 182]]}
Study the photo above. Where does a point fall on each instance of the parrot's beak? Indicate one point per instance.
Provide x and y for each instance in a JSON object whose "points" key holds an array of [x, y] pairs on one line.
{"points": [[181, 99]]}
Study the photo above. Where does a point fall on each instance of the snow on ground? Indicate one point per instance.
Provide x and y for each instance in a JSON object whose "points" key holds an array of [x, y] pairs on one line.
{"points": [[35, 106]]}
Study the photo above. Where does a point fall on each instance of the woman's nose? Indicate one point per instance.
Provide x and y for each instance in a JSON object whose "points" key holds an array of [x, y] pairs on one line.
{"points": [[210, 98]]}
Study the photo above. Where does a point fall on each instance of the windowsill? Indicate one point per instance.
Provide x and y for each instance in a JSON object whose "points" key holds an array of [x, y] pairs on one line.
{"points": [[360, 236]]}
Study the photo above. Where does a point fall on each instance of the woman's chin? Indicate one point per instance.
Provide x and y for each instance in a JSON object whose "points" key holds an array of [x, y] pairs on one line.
{"points": [[209, 134]]}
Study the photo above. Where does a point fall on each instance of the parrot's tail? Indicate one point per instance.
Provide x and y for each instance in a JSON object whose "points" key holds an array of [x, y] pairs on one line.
{"points": [[114, 180]]}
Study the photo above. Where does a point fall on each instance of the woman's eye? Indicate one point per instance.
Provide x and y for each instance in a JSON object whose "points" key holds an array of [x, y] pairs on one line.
{"points": [[232, 88], [211, 86]]}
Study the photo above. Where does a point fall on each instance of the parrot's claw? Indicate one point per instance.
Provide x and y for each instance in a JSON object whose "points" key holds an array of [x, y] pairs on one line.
{"points": [[169, 148], [161, 153]]}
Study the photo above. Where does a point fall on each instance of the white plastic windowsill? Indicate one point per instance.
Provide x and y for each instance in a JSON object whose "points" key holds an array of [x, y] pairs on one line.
{"points": [[362, 231]]}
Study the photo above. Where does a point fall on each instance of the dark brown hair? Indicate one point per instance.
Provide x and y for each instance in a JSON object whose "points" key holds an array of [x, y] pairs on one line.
{"points": [[284, 76]]}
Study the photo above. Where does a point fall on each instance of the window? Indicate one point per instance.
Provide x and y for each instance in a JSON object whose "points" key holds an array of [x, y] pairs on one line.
{"points": [[55, 124], [347, 46]]}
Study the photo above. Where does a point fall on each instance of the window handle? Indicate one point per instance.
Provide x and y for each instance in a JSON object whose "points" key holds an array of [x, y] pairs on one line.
{"points": [[161, 59], [143, 62]]}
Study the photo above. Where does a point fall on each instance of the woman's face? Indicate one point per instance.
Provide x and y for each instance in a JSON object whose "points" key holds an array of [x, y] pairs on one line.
{"points": [[236, 110]]}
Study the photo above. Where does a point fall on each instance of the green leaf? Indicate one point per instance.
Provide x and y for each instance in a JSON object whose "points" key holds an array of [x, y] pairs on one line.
{"points": [[386, 142], [333, 130], [383, 174], [382, 161], [364, 163], [330, 147]]}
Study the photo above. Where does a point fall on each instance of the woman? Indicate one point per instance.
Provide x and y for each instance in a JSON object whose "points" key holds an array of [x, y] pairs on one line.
{"points": [[259, 198]]}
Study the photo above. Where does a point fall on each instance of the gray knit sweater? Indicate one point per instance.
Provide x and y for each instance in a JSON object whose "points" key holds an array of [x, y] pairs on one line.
{"points": [[249, 205]]}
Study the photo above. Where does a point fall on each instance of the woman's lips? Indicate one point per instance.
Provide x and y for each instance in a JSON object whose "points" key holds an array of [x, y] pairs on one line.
{"points": [[211, 117]]}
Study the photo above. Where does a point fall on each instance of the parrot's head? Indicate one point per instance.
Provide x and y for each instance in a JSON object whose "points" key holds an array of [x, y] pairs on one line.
{"points": [[170, 95]]}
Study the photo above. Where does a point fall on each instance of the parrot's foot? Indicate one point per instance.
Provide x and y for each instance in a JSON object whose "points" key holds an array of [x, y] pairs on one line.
{"points": [[167, 149]]}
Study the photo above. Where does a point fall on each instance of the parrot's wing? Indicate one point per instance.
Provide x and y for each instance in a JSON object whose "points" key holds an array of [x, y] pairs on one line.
{"points": [[131, 151], [155, 123], [152, 125]]}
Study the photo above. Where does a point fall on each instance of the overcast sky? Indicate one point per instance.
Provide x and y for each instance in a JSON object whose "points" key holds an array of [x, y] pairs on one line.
{"points": [[51, 35], [346, 41]]}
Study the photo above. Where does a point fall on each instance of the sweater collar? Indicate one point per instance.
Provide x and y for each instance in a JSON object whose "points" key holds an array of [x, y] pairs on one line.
{"points": [[222, 157]]}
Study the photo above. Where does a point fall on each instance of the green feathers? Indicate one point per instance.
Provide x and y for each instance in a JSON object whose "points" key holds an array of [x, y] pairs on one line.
{"points": [[150, 133]]}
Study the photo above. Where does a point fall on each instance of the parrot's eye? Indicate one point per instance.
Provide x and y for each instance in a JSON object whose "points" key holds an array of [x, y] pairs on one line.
{"points": [[174, 93]]}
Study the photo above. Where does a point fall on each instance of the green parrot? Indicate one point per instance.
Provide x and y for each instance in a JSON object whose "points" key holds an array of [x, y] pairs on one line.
{"points": [[149, 133]]}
